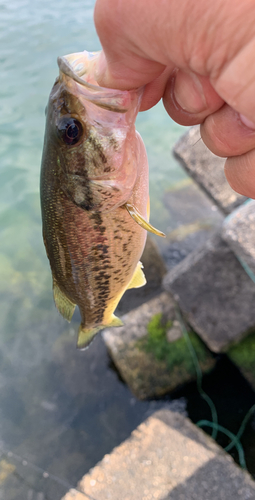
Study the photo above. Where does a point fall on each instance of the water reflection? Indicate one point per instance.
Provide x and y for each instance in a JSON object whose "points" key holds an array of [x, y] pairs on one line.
{"points": [[60, 409]]}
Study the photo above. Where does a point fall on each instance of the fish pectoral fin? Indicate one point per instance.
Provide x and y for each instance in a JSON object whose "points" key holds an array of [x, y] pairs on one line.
{"points": [[138, 278], [139, 219], [63, 304], [86, 335]]}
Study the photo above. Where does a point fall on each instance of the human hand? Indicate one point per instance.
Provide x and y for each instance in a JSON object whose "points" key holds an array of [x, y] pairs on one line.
{"points": [[200, 58]]}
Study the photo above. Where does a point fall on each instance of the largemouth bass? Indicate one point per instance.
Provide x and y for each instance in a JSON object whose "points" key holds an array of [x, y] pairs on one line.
{"points": [[94, 195]]}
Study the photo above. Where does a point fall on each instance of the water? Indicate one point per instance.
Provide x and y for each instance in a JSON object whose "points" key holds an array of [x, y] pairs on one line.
{"points": [[60, 409]]}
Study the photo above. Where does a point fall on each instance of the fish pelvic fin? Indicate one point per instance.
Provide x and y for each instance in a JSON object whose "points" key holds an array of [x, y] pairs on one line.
{"points": [[138, 279], [63, 304], [86, 335], [139, 219]]}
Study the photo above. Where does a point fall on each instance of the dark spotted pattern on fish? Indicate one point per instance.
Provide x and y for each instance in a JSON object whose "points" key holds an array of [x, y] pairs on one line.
{"points": [[92, 242]]}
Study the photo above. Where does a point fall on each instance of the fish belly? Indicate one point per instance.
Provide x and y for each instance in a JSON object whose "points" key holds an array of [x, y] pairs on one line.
{"points": [[93, 258]]}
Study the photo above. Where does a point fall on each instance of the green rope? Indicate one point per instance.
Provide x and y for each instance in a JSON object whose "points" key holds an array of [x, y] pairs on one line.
{"points": [[199, 375], [241, 429], [232, 436], [235, 439]]}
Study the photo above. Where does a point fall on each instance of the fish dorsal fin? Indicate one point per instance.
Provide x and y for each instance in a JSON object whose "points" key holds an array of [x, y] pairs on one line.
{"points": [[138, 278], [63, 304], [139, 219]]}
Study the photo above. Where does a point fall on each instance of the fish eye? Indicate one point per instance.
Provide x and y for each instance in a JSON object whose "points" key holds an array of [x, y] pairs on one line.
{"points": [[70, 130]]}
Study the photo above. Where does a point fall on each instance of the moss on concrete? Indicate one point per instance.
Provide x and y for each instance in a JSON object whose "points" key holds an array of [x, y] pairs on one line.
{"points": [[172, 353], [243, 355]]}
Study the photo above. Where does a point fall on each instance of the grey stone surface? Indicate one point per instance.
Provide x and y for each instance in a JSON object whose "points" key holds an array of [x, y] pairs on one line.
{"points": [[215, 294], [146, 375], [207, 170], [166, 458], [239, 232], [193, 217]]}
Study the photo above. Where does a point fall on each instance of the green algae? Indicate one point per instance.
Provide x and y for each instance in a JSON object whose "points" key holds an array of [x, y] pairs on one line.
{"points": [[172, 353], [243, 355]]}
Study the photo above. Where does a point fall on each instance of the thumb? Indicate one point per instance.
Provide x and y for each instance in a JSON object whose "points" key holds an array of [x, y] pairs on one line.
{"points": [[132, 72], [236, 82]]}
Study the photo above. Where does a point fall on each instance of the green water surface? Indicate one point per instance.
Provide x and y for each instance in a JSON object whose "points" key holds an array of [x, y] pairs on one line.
{"points": [[60, 409]]}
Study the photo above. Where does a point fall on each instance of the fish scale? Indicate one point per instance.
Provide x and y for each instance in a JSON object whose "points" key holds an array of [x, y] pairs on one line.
{"points": [[94, 196]]}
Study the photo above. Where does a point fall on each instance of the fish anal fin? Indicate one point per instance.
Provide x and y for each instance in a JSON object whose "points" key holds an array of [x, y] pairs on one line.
{"points": [[63, 304], [139, 219], [138, 278]]}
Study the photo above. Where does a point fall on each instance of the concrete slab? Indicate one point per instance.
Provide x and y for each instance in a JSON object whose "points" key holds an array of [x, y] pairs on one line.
{"points": [[239, 232], [159, 361], [207, 170], [193, 218], [214, 293], [166, 458]]}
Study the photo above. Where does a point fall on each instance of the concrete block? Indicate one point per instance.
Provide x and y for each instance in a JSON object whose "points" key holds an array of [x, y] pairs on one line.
{"points": [[149, 364], [239, 232], [207, 170], [166, 458], [214, 293], [193, 217]]}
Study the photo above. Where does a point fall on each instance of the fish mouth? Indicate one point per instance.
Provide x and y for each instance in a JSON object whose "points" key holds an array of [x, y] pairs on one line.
{"points": [[76, 66], [66, 68]]}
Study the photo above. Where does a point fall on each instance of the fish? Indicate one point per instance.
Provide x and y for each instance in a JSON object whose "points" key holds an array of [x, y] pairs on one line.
{"points": [[94, 195]]}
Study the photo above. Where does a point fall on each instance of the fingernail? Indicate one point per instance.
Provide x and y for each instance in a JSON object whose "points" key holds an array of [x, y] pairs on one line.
{"points": [[247, 122], [189, 94], [101, 69]]}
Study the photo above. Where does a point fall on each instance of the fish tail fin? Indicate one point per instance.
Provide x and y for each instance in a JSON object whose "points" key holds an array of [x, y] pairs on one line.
{"points": [[86, 335]]}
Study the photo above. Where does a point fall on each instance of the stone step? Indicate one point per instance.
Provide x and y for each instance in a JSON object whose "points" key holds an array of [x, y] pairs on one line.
{"points": [[193, 217], [150, 351], [166, 457], [239, 232], [214, 293], [207, 170]]}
